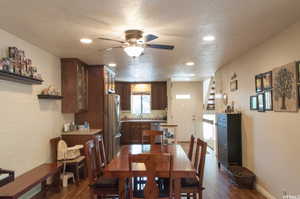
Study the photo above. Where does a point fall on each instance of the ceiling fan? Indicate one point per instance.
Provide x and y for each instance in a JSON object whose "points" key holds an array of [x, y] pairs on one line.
{"points": [[135, 43]]}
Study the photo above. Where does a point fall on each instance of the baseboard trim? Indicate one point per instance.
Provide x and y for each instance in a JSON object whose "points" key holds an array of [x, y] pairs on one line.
{"points": [[264, 192]]}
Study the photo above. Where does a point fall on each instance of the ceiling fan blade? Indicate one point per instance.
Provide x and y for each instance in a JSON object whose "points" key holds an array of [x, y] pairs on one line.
{"points": [[150, 37], [109, 49], [108, 39], [160, 46]]}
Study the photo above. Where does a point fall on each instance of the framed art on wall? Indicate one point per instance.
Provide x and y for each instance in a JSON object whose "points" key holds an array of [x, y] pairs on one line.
{"points": [[261, 102], [259, 83], [253, 102], [267, 80], [298, 95], [285, 88], [298, 71], [268, 100], [233, 85]]}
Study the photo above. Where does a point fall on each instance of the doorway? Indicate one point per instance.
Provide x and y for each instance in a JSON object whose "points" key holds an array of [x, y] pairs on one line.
{"points": [[209, 130], [185, 109]]}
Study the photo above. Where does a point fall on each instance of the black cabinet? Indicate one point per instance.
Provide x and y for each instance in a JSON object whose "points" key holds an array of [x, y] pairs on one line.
{"points": [[229, 139]]}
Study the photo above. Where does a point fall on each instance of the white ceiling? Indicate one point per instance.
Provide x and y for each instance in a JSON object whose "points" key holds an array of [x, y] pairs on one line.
{"points": [[238, 25]]}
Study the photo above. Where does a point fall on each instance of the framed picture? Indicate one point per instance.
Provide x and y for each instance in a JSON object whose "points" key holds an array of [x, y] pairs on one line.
{"points": [[253, 102], [233, 85], [285, 97], [261, 102], [267, 80], [298, 71], [259, 83], [268, 100], [298, 95]]}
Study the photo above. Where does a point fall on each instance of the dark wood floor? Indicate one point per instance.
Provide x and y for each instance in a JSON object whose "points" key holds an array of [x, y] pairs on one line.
{"points": [[216, 183]]}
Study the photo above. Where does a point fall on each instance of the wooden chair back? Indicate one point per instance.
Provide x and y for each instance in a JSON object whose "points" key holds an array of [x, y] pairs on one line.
{"points": [[91, 161], [191, 149], [151, 161], [100, 152], [201, 148], [53, 145], [151, 134]]}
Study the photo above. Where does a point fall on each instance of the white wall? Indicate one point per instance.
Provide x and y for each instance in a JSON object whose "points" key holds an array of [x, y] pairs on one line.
{"points": [[27, 123], [271, 139], [182, 111]]}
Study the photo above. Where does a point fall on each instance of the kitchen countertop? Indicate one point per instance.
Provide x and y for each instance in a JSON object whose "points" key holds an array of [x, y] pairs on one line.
{"points": [[89, 132], [145, 120]]}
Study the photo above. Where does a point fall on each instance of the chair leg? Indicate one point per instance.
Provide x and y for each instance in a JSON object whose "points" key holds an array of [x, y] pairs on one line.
{"points": [[77, 174], [188, 195], [200, 195]]}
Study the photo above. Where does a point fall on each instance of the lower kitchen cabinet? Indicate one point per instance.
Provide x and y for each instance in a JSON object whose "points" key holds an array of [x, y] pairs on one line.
{"points": [[132, 132]]}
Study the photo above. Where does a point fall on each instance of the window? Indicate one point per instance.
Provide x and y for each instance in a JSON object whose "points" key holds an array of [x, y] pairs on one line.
{"points": [[140, 99], [184, 96], [140, 104]]}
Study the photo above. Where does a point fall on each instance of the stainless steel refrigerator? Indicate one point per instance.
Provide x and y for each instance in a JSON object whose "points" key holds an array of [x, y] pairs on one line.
{"points": [[112, 126]]}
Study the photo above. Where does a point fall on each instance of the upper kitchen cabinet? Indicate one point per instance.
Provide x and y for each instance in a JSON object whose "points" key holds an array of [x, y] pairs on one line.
{"points": [[109, 80], [74, 85], [159, 99], [124, 90]]}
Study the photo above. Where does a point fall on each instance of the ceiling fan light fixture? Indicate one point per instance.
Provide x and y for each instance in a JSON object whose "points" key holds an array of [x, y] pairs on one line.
{"points": [[134, 51]]}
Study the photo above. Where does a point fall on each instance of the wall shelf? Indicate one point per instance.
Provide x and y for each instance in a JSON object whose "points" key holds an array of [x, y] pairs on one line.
{"points": [[53, 97], [19, 78]]}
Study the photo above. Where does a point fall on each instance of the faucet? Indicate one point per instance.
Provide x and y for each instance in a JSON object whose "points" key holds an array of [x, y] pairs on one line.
{"points": [[140, 116]]}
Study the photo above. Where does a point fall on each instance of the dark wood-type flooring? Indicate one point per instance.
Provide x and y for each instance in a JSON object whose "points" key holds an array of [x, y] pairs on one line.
{"points": [[216, 183]]}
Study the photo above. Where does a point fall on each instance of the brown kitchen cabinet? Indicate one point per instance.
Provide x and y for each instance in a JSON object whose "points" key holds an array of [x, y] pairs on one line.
{"points": [[74, 85], [132, 132], [96, 103], [124, 90], [159, 99]]}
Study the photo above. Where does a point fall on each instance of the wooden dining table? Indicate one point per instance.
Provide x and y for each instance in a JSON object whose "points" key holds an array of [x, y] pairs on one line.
{"points": [[119, 166]]}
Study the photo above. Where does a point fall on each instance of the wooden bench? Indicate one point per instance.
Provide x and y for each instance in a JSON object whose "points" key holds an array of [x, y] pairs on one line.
{"points": [[30, 179]]}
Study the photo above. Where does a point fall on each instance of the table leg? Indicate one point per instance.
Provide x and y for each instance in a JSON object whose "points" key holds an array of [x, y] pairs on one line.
{"points": [[122, 191], [177, 188]]}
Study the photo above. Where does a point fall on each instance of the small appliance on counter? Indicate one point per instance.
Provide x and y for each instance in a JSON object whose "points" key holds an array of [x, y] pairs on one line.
{"points": [[69, 127]]}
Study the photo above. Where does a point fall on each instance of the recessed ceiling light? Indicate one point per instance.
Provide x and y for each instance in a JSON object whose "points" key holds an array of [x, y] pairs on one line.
{"points": [[86, 40], [190, 63], [112, 64], [208, 38]]}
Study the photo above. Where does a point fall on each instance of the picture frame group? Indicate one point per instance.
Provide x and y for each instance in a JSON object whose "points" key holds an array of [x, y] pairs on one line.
{"points": [[298, 81], [263, 100], [263, 82]]}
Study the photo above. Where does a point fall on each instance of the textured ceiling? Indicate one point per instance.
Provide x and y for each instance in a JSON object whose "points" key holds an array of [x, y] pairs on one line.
{"points": [[57, 26]]}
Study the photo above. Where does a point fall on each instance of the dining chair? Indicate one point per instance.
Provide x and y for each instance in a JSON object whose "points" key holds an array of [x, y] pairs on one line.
{"points": [[100, 151], [194, 186], [191, 147], [152, 188], [100, 187], [151, 134]]}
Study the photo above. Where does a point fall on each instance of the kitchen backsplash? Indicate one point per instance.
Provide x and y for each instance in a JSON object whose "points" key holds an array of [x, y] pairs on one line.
{"points": [[155, 114]]}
